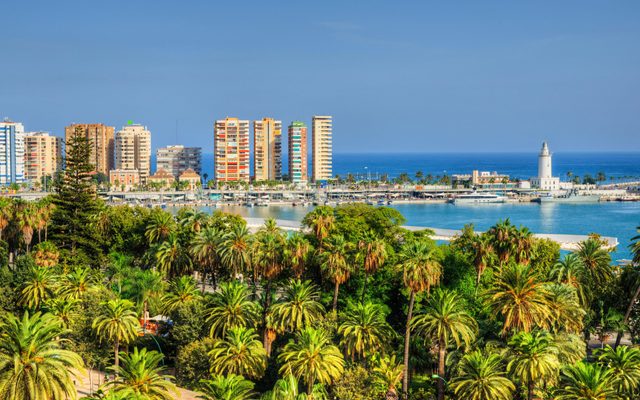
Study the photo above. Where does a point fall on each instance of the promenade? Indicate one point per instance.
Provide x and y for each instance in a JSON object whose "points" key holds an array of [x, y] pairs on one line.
{"points": [[566, 242]]}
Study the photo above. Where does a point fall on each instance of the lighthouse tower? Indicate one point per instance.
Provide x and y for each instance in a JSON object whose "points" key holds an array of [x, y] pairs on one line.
{"points": [[544, 162], [545, 179]]}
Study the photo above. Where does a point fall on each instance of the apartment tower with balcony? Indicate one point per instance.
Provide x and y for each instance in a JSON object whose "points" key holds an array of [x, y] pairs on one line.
{"points": [[322, 147], [298, 152], [133, 150], [267, 150], [231, 150], [42, 155], [11, 152], [177, 159], [101, 139]]}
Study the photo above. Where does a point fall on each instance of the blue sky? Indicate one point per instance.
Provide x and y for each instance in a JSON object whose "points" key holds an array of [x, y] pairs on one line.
{"points": [[405, 76]]}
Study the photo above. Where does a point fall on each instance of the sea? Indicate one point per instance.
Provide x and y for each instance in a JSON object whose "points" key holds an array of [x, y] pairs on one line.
{"points": [[614, 219]]}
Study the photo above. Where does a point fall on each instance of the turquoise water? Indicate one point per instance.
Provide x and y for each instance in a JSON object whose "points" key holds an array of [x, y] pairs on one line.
{"points": [[607, 219]]}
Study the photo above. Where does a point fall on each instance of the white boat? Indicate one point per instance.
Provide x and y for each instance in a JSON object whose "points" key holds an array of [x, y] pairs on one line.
{"points": [[479, 198], [571, 196]]}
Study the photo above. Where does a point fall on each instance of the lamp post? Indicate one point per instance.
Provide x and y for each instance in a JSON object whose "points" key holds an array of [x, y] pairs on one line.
{"points": [[436, 376]]}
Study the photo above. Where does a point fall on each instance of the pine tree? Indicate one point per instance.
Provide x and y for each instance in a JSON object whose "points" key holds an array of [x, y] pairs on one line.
{"points": [[76, 204]]}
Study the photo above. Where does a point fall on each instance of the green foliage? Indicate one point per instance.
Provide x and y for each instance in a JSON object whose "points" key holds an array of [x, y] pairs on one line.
{"points": [[356, 383], [192, 362]]}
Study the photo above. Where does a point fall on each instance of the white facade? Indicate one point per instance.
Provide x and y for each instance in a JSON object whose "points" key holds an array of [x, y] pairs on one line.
{"points": [[11, 152], [545, 179], [177, 159], [322, 147], [133, 150]]}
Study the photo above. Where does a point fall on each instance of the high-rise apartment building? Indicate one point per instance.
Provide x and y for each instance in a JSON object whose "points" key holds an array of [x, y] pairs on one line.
{"points": [[42, 155], [177, 159], [298, 152], [102, 147], [322, 142], [11, 152], [231, 150], [267, 149], [133, 150]]}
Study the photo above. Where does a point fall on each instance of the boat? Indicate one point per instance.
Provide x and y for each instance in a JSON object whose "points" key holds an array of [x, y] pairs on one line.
{"points": [[571, 196], [478, 198]]}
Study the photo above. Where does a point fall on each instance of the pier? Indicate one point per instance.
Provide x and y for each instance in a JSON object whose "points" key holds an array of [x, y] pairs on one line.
{"points": [[566, 242]]}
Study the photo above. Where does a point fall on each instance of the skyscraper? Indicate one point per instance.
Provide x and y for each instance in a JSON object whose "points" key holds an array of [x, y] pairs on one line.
{"points": [[231, 150], [42, 155], [322, 142], [267, 149], [177, 159], [133, 150], [298, 152], [101, 138], [11, 152]]}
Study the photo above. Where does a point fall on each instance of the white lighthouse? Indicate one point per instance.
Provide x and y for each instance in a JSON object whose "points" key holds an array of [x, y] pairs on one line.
{"points": [[545, 179]]}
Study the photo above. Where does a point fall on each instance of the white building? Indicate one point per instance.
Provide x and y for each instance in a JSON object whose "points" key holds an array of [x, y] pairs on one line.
{"points": [[11, 152], [322, 147], [133, 150], [545, 180]]}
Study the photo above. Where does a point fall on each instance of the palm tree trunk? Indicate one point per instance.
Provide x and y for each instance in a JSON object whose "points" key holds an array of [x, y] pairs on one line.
{"points": [[116, 351], [335, 297], [442, 348], [530, 387], [203, 279], [407, 338], [627, 314]]}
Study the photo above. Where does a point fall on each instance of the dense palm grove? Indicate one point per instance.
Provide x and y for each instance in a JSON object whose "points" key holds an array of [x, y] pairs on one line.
{"points": [[352, 307]]}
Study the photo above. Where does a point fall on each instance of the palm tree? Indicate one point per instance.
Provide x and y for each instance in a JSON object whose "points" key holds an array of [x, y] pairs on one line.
{"points": [[117, 323], [240, 352], [27, 220], [566, 313], [421, 271], [624, 362], [372, 251], [39, 286], [312, 357], [634, 271], [533, 358], [231, 308], [230, 387], [483, 255], [63, 309], [503, 237], [192, 219], [321, 221], [364, 330], [162, 225], [388, 374], [33, 364], [482, 377], [298, 308], [269, 260], [296, 253], [140, 376], [45, 254], [335, 263], [523, 244], [518, 295], [183, 290], [6, 214], [173, 258], [586, 381], [570, 270], [236, 249], [76, 283], [145, 286], [287, 389], [596, 261], [445, 320], [205, 249]]}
